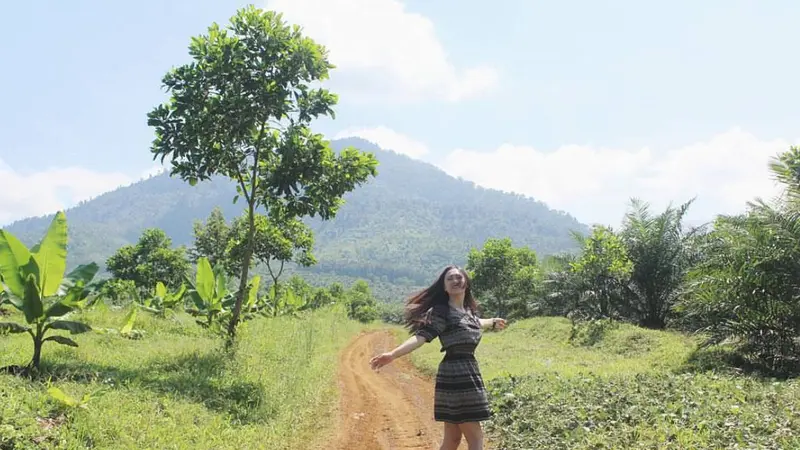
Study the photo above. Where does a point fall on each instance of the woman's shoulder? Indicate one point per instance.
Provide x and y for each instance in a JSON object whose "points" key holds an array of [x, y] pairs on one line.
{"points": [[442, 309]]}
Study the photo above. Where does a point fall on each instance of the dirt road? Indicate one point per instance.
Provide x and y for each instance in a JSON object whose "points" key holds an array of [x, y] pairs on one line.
{"points": [[388, 409]]}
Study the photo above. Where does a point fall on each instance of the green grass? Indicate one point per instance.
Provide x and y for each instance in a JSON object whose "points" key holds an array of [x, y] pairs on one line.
{"points": [[177, 388], [632, 388]]}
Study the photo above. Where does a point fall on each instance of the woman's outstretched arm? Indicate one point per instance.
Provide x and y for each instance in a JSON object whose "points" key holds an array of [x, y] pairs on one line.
{"points": [[411, 344], [495, 323]]}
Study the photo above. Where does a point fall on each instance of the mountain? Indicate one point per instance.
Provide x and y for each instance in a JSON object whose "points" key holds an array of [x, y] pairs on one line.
{"points": [[398, 229]]}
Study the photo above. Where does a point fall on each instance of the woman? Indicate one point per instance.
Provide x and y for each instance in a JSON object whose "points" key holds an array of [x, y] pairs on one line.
{"points": [[447, 310]]}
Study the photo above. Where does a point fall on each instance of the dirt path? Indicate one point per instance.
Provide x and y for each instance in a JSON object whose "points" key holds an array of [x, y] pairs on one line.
{"points": [[388, 409]]}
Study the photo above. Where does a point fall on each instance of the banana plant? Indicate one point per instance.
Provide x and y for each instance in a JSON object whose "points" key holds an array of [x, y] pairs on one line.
{"points": [[35, 284], [282, 303], [208, 292], [126, 329], [211, 297], [162, 301]]}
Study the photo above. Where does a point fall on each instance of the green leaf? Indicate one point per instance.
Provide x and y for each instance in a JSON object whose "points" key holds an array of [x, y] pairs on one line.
{"points": [[71, 326], [13, 328], [161, 290], [31, 302], [58, 309], [235, 199], [221, 282], [51, 255], [253, 294], [80, 276], [130, 319], [61, 397], [13, 255], [205, 280], [63, 340]]}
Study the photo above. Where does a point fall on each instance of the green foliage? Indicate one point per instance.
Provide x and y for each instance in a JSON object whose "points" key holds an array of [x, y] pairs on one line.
{"points": [[179, 388], [391, 313], [746, 289], [275, 243], [151, 260], [591, 286], [242, 109], [663, 252], [504, 278], [590, 332], [637, 275], [361, 304], [665, 411], [116, 290], [395, 231], [283, 300], [4, 298], [35, 282], [212, 239], [785, 169], [163, 300], [208, 292]]}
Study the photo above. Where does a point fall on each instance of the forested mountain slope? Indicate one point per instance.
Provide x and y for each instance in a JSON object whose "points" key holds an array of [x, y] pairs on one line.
{"points": [[399, 228]]}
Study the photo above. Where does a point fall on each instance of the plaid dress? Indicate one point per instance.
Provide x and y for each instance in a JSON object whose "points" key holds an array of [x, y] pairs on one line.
{"points": [[460, 394]]}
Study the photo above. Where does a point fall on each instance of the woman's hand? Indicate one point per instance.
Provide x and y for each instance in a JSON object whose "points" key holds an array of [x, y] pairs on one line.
{"points": [[498, 323], [381, 360]]}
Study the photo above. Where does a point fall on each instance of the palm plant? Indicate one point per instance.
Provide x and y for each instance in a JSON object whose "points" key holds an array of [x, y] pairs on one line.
{"points": [[663, 251]]}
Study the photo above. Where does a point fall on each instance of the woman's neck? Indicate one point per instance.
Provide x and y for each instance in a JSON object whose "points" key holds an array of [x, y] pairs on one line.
{"points": [[457, 301]]}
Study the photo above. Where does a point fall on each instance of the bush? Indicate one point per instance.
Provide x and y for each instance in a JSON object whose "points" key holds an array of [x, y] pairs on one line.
{"points": [[391, 313]]}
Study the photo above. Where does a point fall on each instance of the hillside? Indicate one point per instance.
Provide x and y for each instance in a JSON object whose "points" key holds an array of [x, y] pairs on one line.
{"points": [[398, 229]]}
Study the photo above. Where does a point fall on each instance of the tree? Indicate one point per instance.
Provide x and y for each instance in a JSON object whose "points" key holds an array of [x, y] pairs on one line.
{"points": [[663, 252], [592, 288], [503, 277], [151, 260], [211, 240], [785, 169], [274, 244], [745, 290], [361, 304], [242, 109]]}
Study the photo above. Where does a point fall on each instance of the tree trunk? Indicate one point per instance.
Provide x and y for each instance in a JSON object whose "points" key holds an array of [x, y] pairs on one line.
{"points": [[248, 255], [276, 287], [37, 351]]}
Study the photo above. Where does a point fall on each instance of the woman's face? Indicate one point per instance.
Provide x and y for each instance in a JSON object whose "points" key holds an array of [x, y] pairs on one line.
{"points": [[455, 282]]}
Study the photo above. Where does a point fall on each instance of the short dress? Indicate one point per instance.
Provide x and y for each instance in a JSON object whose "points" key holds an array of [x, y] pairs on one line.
{"points": [[460, 394]]}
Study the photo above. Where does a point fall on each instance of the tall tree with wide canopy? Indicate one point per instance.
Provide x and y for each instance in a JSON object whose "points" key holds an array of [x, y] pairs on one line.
{"points": [[242, 108]]}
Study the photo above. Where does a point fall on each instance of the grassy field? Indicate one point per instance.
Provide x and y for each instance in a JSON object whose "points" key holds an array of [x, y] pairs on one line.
{"points": [[177, 388], [632, 388]]}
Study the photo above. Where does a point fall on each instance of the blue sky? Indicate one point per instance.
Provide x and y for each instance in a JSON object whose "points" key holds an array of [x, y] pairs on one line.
{"points": [[581, 104]]}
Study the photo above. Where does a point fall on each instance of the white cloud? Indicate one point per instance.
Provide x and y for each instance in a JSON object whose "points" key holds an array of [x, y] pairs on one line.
{"points": [[387, 139], [383, 51], [595, 184], [33, 194]]}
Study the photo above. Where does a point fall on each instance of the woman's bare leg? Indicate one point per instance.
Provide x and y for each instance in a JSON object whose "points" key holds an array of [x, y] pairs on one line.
{"points": [[452, 437], [474, 434]]}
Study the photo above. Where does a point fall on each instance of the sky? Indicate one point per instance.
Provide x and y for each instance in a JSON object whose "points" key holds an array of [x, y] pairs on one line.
{"points": [[579, 104]]}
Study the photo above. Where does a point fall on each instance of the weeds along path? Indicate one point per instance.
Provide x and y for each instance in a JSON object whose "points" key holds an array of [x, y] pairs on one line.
{"points": [[388, 409]]}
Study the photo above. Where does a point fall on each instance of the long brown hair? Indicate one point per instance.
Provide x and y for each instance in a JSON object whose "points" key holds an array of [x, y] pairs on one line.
{"points": [[418, 305]]}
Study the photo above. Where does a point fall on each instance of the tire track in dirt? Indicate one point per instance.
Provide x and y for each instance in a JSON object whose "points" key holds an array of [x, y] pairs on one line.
{"points": [[389, 409]]}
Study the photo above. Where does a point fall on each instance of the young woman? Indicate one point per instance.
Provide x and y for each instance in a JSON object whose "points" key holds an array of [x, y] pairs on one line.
{"points": [[448, 311]]}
